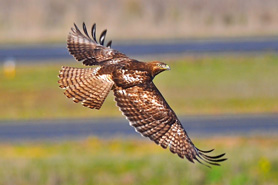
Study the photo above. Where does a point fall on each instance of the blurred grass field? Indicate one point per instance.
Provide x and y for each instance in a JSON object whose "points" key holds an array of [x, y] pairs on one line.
{"points": [[193, 86], [251, 161], [140, 19]]}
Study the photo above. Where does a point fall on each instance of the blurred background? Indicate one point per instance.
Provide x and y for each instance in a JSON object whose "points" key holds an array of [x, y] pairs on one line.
{"points": [[223, 85]]}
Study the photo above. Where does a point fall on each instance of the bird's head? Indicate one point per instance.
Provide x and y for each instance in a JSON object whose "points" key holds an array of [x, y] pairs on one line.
{"points": [[158, 67]]}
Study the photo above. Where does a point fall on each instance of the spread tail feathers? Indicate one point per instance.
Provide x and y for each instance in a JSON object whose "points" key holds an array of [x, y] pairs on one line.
{"points": [[85, 85]]}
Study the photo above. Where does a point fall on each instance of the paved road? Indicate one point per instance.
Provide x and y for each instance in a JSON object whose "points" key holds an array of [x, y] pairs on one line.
{"points": [[75, 129], [195, 47]]}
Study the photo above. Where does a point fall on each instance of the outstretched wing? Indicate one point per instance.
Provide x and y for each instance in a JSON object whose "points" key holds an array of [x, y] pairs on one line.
{"points": [[150, 115], [86, 49]]}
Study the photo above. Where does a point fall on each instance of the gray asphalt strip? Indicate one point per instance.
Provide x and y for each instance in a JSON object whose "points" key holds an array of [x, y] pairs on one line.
{"points": [[204, 126]]}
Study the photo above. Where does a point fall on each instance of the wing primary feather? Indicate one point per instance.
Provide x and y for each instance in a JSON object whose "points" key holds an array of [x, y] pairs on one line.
{"points": [[85, 30], [75, 26], [102, 37], [214, 157], [208, 161], [217, 160], [109, 44], [212, 163], [73, 30], [201, 162], [94, 32], [205, 151], [213, 160], [77, 29], [188, 158]]}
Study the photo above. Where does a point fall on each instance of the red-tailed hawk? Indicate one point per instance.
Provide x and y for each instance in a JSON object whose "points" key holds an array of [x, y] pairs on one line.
{"points": [[135, 93]]}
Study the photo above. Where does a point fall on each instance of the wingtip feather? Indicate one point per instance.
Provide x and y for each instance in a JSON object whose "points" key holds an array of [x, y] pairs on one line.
{"points": [[94, 32]]}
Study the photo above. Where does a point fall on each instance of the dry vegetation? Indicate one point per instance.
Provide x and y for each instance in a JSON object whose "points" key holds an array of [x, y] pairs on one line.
{"points": [[49, 21]]}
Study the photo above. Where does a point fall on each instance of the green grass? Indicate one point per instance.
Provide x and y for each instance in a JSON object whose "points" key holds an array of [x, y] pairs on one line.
{"points": [[92, 161], [201, 85]]}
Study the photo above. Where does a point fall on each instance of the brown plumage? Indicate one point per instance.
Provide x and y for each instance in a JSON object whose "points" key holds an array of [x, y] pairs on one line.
{"points": [[135, 93]]}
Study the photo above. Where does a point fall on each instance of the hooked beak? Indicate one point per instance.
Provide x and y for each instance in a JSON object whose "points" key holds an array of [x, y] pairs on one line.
{"points": [[166, 67]]}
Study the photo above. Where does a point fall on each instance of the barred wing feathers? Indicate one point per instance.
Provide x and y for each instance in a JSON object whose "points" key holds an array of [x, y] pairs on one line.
{"points": [[150, 115], [85, 85], [87, 50]]}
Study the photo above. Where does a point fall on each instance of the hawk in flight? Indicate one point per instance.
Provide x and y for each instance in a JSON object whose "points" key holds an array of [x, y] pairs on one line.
{"points": [[135, 93]]}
